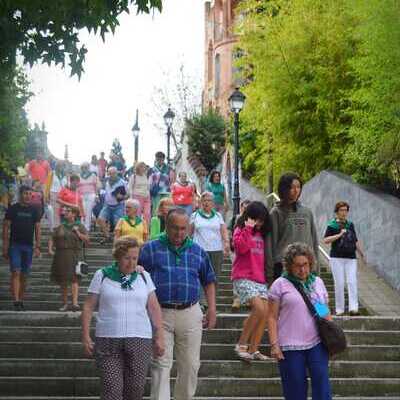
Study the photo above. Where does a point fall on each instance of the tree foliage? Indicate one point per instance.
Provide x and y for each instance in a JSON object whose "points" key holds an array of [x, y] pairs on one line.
{"points": [[206, 137], [322, 86], [48, 31], [116, 149], [14, 128]]}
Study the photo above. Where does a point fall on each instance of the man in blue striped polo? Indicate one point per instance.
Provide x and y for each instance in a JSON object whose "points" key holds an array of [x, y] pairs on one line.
{"points": [[178, 268]]}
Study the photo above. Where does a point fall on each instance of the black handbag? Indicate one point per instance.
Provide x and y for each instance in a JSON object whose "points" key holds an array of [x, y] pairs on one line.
{"points": [[331, 334]]}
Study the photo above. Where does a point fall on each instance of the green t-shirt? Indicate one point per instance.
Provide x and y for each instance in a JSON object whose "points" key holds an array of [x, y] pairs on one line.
{"points": [[218, 190]]}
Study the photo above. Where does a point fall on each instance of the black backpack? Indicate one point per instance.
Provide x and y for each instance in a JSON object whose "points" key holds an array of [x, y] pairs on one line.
{"points": [[347, 243]]}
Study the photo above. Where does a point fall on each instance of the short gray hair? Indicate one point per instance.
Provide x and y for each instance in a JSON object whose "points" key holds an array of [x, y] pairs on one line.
{"points": [[134, 203], [297, 249]]}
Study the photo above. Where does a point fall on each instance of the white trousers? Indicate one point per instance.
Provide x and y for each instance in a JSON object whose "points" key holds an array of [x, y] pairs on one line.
{"points": [[88, 200], [345, 269], [183, 331]]}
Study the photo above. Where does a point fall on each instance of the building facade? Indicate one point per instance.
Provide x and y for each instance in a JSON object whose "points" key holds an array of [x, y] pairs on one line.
{"points": [[219, 79]]}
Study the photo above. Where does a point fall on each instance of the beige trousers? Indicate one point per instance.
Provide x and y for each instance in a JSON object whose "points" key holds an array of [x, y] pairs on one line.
{"points": [[182, 330]]}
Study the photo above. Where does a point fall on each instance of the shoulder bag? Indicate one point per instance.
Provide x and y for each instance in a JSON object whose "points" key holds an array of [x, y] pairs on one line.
{"points": [[82, 268], [332, 335]]}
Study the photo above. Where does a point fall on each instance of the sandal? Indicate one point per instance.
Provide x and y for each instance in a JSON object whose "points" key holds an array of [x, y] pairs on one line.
{"points": [[258, 356], [63, 308], [242, 353], [76, 307]]}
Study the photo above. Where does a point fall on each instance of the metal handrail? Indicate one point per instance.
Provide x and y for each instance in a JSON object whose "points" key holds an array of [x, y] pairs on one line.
{"points": [[274, 197]]}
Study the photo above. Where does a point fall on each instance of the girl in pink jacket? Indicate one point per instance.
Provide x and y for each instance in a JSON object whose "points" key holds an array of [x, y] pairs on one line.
{"points": [[248, 276]]}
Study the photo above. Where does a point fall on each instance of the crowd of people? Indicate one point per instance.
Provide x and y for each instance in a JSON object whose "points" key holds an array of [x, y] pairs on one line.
{"points": [[169, 243]]}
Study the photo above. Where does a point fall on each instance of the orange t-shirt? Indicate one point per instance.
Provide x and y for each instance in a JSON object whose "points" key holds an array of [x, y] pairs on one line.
{"points": [[39, 170], [182, 195]]}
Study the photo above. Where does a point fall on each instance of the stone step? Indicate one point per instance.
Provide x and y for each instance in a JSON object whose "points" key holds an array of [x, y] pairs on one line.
{"points": [[221, 386], [49, 287], [212, 369], [54, 305], [224, 336], [224, 321], [195, 398], [209, 351], [40, 281]]}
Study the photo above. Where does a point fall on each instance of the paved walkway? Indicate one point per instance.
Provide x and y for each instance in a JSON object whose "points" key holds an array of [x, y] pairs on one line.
{"points": [[376, 295]]}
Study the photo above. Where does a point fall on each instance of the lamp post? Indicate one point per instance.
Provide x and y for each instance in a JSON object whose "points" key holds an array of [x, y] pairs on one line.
{"points": [[169, 119], [236, 102], [135, 131]]}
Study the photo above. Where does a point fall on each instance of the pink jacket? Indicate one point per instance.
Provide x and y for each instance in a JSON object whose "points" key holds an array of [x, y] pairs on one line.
{"points": [[249, 255]]}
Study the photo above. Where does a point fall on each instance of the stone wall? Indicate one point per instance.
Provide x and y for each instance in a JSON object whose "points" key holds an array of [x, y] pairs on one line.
{"points": [[376, 217]]}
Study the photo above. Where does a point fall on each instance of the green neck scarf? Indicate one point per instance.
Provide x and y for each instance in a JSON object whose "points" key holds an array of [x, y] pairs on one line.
{"points": [[163, 168], [86, 174], [70, 225], [206, 216], [137, 221], [187, 243], [307, 285], [112, 272]]}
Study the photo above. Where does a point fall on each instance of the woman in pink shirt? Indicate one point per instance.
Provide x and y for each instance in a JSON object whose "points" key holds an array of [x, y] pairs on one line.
{"points": [[293, 334], [248, 276]]}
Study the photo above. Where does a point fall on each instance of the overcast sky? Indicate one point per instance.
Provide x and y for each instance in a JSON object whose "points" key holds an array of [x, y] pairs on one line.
{"points": [[120, 76]]}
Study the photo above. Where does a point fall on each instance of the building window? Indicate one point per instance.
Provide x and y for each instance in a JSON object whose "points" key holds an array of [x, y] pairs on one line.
{"points": [[217, 76]]}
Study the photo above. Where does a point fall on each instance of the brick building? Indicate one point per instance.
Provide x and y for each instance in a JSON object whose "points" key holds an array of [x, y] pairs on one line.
{"points": [[219, 53]]}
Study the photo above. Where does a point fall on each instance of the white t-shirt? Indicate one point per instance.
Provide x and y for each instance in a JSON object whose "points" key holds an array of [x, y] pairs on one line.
{"points": [[122, 313], [139, 185], [207, 231]]}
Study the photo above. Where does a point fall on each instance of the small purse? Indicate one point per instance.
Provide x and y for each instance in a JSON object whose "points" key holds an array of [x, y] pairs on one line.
{"points": [[332, 335], [82, 268]]}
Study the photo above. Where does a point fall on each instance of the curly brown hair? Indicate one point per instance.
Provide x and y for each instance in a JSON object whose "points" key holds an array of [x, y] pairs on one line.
{"points": [[297, 249], [122, 246]]}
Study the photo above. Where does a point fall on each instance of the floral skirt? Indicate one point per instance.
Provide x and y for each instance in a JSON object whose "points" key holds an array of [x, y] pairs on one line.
{"points": [[247, 290]]}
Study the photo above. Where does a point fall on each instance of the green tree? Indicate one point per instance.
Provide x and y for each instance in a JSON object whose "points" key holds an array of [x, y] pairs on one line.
{"points": [[14, 127], [116, 149], [375, 154], [48, 31], [297, 55], [206, 137]]}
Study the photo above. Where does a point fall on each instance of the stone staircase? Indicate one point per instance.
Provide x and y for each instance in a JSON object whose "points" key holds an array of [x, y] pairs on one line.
{"points": [[41, 356]]}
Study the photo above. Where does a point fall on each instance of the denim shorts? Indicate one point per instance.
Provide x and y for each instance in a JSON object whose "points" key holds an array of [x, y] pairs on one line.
{"points": [[20, 258], [112, 213]]}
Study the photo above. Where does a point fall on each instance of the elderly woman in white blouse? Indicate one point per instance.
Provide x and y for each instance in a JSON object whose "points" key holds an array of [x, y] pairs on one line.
{"points": [[129, 323], [209, 231]]}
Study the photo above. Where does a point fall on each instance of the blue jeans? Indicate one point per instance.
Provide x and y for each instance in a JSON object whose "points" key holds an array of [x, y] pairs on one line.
{"points": [[112, 213], [20, 258], [293, 370]]}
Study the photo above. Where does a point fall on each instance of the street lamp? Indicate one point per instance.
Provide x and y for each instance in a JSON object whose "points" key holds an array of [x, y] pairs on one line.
{"points": [[169, 119], [236, 103], [135, 131]]}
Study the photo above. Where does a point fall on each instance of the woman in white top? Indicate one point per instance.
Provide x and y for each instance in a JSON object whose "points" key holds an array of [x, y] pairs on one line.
{"points": [[209, 231], [58, 181], [129, 323], [139, 189]]}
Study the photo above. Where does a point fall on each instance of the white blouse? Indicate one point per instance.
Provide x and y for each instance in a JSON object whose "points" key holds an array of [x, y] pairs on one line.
{"points": [[122, 313]]}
